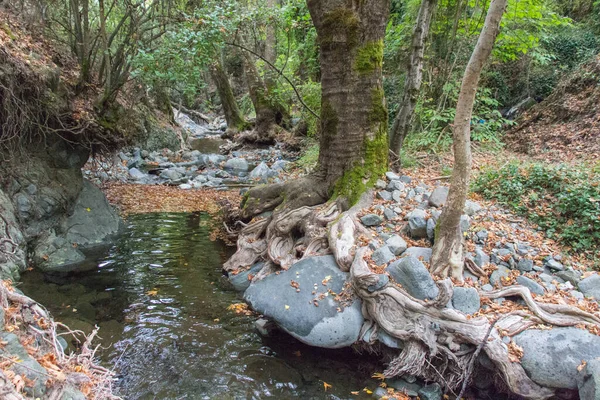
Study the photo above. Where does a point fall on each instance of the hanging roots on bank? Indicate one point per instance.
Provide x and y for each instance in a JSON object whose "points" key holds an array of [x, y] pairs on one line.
{"points": [[439, 343]]}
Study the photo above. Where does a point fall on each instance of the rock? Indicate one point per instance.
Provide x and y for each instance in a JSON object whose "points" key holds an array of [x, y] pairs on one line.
{"points": [[531, 285], [185, 186], [487, 287], [402, 385], [171, 174], [438, 196], [551, 357], [384, 195], [414, 278], [51, 258], [280, 165], [391, 176], [465, 223], [381, 282], [382, 255], [570, 275], [380, 184], [554, 265], [380, 393], [481, 259], [395, 185], [482, 236], [389, 214], [389, 340], [590, 286], [136, 174], [466, 300], [421, 253], [295, 312], [417, 224], [371, 220], [263, 326], [525, 265], [27, 366], [240, 281], [396, 196], [431, 392], [588, 381], [70, 393], [237, 164], [501, 272], [261, 172], [431, 223], [471, 208], [396, 244]]}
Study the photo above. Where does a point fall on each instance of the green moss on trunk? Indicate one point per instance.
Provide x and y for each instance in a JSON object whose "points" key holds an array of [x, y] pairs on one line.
{"points": [[369, 57]]}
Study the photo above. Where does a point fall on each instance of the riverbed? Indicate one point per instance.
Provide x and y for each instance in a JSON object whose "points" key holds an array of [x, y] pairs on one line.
{"points": [[160, 300]]}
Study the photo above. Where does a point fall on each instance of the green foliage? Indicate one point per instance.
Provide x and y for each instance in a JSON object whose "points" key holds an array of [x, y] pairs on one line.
{"points": [[309, 159], [562, 200], [311, 94]]}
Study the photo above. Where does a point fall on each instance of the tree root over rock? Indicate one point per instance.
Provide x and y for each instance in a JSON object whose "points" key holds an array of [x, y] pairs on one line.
{"points": [[439, 343]]}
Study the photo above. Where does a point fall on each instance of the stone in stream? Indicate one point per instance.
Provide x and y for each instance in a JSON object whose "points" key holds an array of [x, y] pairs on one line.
{"points": [[261, 172], [551, 357], [240, 281], [438, 196], [432, 391], [417, 224], [590, 286], [414, 278], [312, 319], [237, 164], [279, 165], [371, 220], [466, 300]]}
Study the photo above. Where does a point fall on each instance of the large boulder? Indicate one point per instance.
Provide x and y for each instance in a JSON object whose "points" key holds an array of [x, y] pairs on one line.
{"points": [[417, 224], [315, 319], [551, 357], [421, 253], [414, 278], [589, 381], [438, 196], [466, 300], [590, 286], [237, 164]]}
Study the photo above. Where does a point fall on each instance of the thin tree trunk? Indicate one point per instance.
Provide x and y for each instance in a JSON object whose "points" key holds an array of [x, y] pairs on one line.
{"points": [[448, 251], [233, 116], [414, 77]]}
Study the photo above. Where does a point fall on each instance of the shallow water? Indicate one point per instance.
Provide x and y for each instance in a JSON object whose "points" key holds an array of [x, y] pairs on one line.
{"points": [[160, 300]]}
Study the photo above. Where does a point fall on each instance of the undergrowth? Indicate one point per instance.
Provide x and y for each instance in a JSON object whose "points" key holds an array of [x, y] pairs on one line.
{"points": [[564, 201]]}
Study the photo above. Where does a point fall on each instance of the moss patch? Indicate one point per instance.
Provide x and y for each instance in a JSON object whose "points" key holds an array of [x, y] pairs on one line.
{"points": [[337, 24], [369, 57]]}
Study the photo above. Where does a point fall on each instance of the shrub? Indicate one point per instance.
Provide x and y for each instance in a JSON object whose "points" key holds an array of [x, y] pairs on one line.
{"points": [[564, 201]]}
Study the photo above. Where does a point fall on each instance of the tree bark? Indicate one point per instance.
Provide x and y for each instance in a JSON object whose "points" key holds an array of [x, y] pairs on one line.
{"points": [[414, 77], [447, 250], [233, 116]]}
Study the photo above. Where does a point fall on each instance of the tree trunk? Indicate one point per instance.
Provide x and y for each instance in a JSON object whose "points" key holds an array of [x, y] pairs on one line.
{"points": [[235, 120], [448, 251], [414, 77]]}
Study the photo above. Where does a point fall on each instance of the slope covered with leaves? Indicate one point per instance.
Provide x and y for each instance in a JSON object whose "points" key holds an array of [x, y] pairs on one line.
{"points": [[566, 125]]}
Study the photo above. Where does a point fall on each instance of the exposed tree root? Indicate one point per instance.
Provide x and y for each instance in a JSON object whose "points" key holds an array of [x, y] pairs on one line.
{"points": [[439, 343]]}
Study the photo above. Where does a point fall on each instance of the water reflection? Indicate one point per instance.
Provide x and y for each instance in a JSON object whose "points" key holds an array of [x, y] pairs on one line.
{"points": [[160, 301]]}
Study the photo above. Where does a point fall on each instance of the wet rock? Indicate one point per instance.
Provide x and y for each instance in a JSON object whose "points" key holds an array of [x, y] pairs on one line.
{"points": [[551, 357], [263, 326], [241, 281], [438, 196], [497, 275], [414, 278], [430, 392], [237, 164], [421, 253], [401, 385], [371, 220], [588, 381], [531, 285], [382, 256], [466, 300], [396, 244], [417, 224], [590, 286], [296, 312], [27, 366]]}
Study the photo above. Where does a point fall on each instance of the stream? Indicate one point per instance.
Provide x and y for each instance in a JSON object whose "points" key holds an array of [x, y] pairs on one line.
{"points": [[160, 300]]}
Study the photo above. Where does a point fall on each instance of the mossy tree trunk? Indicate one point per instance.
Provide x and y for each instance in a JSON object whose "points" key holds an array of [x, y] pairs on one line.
{"points": [[414, 77], [233, 116], [447, 257]]}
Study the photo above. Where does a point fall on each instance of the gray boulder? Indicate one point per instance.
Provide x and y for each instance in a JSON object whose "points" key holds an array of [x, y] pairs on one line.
{"points": [[414, 278], [570, 275], [554, 265], [417, 224], [27, 366], [438, 196], [391, 176], [420, 253], [551, 357], [171, 174], [532, 285], [279, 165], [466, 300], [395, 185], [501, 272], [396, 244], [431, 223], [431, 392], [261, 172], [384, 195], [588, 381], [240, 281], [296, 313], [525, 265], [136, 174], [397, 196], [371, 220], [237, 164], [590, 286], [481, 258], [472, 208], [382, 255]]}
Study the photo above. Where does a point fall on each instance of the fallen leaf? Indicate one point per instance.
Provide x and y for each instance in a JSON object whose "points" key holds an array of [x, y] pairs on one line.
{"points": [[326, 385]]}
